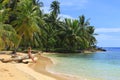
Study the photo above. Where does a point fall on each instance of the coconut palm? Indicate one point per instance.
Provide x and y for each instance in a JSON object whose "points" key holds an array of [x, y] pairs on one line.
{"points": [[52, 26], [8, 36], [91, 38], [53, 17], [83, 24], [27, 20], [55, 8], [69, 35], [87, 32], [46, 31]]}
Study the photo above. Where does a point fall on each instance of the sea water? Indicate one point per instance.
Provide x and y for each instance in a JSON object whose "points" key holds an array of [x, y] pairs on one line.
{"points": [[94, 66]]}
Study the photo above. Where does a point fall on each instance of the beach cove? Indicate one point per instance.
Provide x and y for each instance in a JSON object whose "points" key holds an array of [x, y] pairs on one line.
{"points": [[54, 66], [93, 66], [31, 71], [19, 71]]}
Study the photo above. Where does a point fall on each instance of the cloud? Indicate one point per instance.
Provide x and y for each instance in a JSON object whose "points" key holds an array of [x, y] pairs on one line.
{"points": [[45, 9], [63, 16], [106, 40], [47, 3], [107, 30], [68, 4], [108, 37]]}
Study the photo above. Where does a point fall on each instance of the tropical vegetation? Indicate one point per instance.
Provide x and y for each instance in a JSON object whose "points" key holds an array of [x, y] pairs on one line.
{"points": [[23, 23]]}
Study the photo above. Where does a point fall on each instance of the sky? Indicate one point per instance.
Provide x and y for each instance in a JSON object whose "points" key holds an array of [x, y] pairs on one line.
{"points": [[103, 14]]}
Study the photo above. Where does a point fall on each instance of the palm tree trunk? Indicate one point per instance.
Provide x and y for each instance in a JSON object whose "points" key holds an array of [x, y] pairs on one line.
{"points": [[16, 48]]}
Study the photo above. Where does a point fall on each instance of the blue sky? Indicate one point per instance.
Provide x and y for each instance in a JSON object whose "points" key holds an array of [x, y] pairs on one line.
{"points": [[103, 14]]}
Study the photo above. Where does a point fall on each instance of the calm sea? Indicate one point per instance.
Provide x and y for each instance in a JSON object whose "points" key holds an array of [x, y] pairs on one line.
{"points": [[96, 66]]}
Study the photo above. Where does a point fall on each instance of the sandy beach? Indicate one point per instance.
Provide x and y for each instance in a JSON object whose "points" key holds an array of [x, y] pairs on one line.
{"points": [[31, 71], [19, 71]]}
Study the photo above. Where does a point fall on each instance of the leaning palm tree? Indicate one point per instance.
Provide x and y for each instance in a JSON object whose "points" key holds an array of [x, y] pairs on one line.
{"points": [[8, 35], [27, 20]]}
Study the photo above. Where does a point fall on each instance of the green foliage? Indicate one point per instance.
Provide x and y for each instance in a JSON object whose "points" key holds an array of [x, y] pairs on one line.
{"points": [[8, 36], [23, 24]]}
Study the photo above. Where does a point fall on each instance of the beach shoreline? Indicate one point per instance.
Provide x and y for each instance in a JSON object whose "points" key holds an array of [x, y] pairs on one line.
{"points": [[43, 62], [32, 71]]}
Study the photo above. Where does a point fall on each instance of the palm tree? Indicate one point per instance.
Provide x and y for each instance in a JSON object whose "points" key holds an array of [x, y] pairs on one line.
{"points": [[92, 40], [33, 28], [55, 8], [49, 37], [69, 35], [87, 32], [8, 35], [52, 25], [83, 24], [27, 20], [53, 17]]}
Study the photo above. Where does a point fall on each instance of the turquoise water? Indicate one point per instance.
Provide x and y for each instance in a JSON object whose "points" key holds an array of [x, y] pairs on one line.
{"points": [[96, 66]]}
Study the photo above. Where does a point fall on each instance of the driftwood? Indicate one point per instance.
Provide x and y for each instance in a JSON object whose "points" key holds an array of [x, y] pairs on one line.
{"points": [[16, 59]]}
